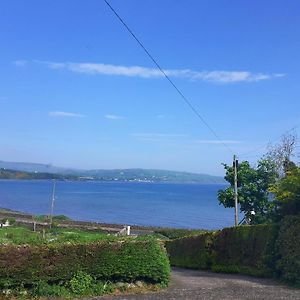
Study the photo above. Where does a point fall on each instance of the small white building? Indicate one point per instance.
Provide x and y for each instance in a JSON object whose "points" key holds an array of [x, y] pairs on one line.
{"points": [[5, 224]]}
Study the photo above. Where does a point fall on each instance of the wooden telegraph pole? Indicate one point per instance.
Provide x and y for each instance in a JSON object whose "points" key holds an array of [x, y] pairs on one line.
{"points": [[236, 217], [52, 202]]}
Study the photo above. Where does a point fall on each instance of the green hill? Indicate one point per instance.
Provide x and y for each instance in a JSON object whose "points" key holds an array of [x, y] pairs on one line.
{"points": [[16, 170]]}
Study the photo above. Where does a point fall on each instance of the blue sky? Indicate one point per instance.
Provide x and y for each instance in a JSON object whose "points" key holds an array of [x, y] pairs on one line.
{"points": [[77, 91]]}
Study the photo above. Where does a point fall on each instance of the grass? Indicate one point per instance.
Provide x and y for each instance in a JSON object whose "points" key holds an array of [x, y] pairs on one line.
{"points": [[18, 235], [23, 235]]}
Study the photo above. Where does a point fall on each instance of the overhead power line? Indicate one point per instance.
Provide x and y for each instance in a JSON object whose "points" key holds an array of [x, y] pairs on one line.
{"points": [[246, 154], [190, 105]]}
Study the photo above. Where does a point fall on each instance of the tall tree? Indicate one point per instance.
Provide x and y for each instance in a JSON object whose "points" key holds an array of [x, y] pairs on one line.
{"points": [[253, 190]]}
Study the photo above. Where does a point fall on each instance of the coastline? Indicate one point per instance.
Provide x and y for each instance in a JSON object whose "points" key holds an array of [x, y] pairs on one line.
{"points": [[27, 219]]}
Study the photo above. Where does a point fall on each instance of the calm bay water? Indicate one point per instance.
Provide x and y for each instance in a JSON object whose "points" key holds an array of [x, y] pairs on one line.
{"points": [[155, 204]]}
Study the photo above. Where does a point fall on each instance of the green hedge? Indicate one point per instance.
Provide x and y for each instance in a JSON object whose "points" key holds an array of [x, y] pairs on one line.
{"points": [[260, 250], [191, 252], [124, 260], [245, 249], [289, 250]]}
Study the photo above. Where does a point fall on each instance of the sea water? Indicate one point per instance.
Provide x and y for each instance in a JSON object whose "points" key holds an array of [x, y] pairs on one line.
{"points": [[149, 204]]}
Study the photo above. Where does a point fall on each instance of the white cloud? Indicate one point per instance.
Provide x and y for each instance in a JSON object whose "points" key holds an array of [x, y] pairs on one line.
{"points": [[113, 117], [65, 114], [232, 76], [217, 76], [217, 142]]}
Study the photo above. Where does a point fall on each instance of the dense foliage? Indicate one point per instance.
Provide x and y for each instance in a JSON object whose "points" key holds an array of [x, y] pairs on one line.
{"points": [[289, 250], [253, 190], [124, 260], [191, 252], [255, 250], [287, 193], [245, 249]]}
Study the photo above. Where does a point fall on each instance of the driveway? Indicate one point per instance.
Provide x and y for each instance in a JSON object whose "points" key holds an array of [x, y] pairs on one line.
{"points": [[194, 284]]}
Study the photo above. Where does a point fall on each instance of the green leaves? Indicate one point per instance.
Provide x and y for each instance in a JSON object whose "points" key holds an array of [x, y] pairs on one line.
{"points": [[287, 193], [124, 260], [253, 190], [242, 249], [80, 283], [289, 250]]}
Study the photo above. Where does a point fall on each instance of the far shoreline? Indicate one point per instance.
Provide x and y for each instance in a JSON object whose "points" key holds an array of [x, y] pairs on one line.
{"points": [[114, 181], [28, 218]]}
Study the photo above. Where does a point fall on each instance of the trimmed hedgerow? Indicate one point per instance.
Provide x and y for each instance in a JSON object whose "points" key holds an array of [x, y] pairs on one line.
{"points": [[115, 261], [191, 252], [288, 245], [245, 249]]}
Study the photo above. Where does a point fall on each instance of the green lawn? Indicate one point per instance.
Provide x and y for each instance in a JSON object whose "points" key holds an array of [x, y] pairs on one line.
{"points": [[22, 235]]}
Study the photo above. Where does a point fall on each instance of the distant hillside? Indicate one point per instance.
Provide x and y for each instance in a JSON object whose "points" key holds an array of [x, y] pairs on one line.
{"points": [[153, 175], [14, 174], [145, 175], [34, 167]]}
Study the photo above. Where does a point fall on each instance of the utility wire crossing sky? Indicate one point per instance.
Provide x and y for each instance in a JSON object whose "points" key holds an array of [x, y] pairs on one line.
{"points": [[77, 91]]}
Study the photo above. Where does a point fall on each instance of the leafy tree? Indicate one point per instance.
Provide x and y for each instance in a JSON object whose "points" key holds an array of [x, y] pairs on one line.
{"points": [[253, 190], [287, 194]]}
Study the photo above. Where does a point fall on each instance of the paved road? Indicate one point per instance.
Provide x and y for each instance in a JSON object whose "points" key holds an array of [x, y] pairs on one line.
{"points": [[191, 284]]}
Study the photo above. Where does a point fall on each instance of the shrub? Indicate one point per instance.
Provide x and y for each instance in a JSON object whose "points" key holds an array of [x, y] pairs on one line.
{"points": [[124, 260], [245, 249], [61, 218], [288, 245], [81, 283], [43, 289], [191, 252]]}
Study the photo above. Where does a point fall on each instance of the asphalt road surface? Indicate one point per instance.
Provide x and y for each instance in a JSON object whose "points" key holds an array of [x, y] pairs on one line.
{"points": [[192, 284]]}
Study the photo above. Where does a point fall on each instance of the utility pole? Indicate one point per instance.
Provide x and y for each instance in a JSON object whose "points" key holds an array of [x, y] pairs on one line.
{"points": [[52, 202], [236, 217]]}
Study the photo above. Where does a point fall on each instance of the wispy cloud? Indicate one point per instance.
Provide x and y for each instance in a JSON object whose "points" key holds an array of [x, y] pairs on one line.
{"points": [[65, 114], [217, 142], [216, 76], [179, 137], [113, 117]]}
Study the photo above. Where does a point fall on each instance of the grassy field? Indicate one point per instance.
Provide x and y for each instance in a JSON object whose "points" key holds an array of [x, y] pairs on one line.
{"points": [[23, 235]]}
